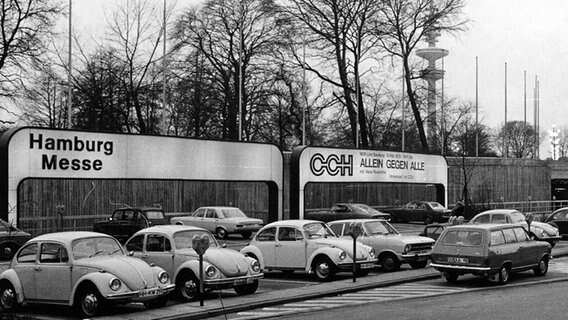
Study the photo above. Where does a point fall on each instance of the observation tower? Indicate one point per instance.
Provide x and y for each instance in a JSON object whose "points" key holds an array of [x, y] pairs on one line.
{"points": [[432, 74]]}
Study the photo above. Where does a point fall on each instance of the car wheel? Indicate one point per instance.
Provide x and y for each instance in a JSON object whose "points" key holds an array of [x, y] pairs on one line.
{"points": [[7, 250], [389, 262], [188, 286], [8, 299], [156, 303], [221, 233], [542, 267], [323, 269], [419, 264], [89, 301], [428, 220], [246, 235], [245, 289], [451, 276], [504, 273]]}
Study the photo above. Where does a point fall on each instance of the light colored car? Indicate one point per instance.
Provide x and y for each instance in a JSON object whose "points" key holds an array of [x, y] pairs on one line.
{"points": [[221, 221], [87, 270], [493, 251], [540, 230], [308, 245], [170, 247], [391, 247]]}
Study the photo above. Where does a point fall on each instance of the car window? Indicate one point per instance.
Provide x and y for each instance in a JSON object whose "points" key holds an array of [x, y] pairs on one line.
{"points": [[521, 234], [184, 239], [517, 217], [467, 238], [136, 243], [266, 235], [157, 243], [233, 213], [28, 253], [90, 247], [497, 238], [53, 253], [379, 227], [510, 236], [337, 228], [499, 218], [128, 215], [481, 219], [155, 214], [211, 213], [317, 230], [288, 234], [200, 213]]}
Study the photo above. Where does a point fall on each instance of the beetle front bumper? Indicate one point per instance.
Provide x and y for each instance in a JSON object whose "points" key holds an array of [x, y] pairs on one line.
{"points": [[142, 295]]}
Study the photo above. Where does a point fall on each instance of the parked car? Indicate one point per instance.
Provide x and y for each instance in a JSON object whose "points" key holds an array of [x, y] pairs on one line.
{"points": [[170, 247], [87, 270], [433, 230], [308, 245], [124, 222], [559, 220], [493, 251], [425, 211], [11, 239], [540, 230], [222, 221], [339, 211], [392, 248]]}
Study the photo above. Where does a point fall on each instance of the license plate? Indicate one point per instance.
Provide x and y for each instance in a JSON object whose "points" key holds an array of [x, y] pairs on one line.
{"points": [[367, 266], [458, 260], [243, 281], [150, 292]]}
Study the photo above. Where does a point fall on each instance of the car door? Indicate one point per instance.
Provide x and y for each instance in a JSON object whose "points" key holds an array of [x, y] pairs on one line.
{"points": [[53, 273], [511, 249], [290, 248], [25, 268], [198, 218], [266, 243], [527, 247], [211, 219], [158, 250]]}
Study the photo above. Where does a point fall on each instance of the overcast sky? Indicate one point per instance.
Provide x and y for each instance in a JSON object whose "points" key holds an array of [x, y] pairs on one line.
{"points": [[527, 35]]}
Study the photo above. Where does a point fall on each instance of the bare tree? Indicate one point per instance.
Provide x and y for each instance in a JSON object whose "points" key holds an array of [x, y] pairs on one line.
{"points": [[43, 101], [519, 138], [404, 24]]}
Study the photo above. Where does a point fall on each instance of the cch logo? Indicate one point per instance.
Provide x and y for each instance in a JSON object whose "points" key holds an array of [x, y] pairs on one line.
{"points": [[333, 164]]}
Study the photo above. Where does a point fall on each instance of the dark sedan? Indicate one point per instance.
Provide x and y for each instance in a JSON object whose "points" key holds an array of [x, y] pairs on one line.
{"points": [[11, 239], [425, 211], [341, 211], [559, 219]]}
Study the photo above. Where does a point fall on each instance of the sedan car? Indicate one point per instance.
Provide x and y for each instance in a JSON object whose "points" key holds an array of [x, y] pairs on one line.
{"points": [[87, 270], [125, 221], [308, 245], [540, 230], [425, 211], [493, 251], [559, 219], [339, 211], [170, 247], [391, 247], [11, 239], [221, 220]]}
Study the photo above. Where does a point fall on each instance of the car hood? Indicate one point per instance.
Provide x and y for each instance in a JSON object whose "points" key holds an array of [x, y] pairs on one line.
{"points": [[345, 245], [415, 239], [136, 274], [231, 263], [548, 229]]}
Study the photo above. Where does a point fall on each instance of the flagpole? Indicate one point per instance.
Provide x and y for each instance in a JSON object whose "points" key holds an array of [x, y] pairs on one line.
{"points": [[505, 136], [70, 66], [164, 73], [476, 107]]}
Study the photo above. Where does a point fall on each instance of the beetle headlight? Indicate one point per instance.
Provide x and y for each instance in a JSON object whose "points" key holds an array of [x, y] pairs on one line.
{"points": [[163, 277], [255, 266], [210, 271], [115, 284], [342, 255], [372, 253]]}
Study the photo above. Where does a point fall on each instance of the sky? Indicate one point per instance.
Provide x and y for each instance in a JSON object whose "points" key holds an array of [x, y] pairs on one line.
{"points": [[527, 35]]}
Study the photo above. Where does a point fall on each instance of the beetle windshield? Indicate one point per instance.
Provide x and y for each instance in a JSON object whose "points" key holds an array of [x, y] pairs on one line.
{"points": [[184, 239], [90, 247], [379, 227], [233, 213], [317, 230]]}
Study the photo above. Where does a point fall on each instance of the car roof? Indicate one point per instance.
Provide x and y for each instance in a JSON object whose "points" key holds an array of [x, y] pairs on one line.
{"points": [[506, 211], [68, 236], [170, 228], [356, 220], [291, 222], [485, 226], [217, 207], [142, 208]]}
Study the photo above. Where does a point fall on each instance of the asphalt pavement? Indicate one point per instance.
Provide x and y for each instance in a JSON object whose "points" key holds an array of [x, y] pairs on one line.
{"points": [[217, 307]]}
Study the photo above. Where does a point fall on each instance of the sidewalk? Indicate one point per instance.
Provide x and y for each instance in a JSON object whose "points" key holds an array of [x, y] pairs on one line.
{"points": [[217, 307]]}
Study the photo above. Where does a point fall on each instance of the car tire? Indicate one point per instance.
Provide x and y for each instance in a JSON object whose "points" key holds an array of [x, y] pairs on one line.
{"points": [[389, 262], [504, 273], [428, 220], [245, 289], [246, 235], [187, 286], [7, 250], [156, 303], [451, 276], [323, 269], [542, 268], [221, 233], [419, 264], [89, 302], [8, 298]]}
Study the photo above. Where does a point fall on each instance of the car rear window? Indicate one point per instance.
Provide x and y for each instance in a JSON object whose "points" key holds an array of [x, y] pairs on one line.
{"points": [[468, 238], [154, 215]]}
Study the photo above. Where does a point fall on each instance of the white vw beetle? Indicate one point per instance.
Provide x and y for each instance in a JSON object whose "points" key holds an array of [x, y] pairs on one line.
{"points": [[308, 245]]}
